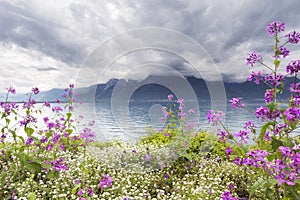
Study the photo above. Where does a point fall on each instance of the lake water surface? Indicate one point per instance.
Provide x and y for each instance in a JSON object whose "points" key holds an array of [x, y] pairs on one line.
{"points": [[140, 117]]}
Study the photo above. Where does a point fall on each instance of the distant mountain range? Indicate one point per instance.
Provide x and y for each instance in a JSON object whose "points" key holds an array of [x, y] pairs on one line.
{"points": [[155, 88]]}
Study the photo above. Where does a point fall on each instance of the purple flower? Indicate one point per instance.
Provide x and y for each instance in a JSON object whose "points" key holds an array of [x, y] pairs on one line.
{"points": [[59, 165], [228, 152], [243, 136], [88, 135], [214, 116], [147, 158], [227, 196], [256, 76], [49, 147], [267, 136], [55, 138], [166, 176], [35, 90], [264, 113], [80, 193], [90, 191], [293, 67], [295, 88], [237, 161], [170, 97], [285, 151], [191, 111], [47, 104], [253, 58], [283, 52], [29, 141], [292, 114], [71, 85], [57, 108], [105, 181], [167, 134], [11, 90], [249, 125], [180, 101], [275, 27], [236, 103], [222, 135], [293, 37], [274, 80], [269, 95]]}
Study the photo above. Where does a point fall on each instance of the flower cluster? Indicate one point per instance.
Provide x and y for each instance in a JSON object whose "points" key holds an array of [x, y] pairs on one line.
{"points": [[275, 27], [253, 58], [293, 67], [215, 116], [106, 181]]}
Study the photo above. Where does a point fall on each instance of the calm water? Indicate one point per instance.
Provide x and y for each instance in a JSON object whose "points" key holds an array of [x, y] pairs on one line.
{"points": [[139, 118]]}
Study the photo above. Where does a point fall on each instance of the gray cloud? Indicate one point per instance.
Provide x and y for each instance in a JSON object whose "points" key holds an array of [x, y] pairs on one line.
{"points": [[66, 32]]}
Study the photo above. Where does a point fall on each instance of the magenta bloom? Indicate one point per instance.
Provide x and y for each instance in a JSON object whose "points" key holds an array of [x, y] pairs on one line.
{"points": [[170, 97], [35, 90], [253, 58], [283, 52], [256, 76], [11, 90], [214, 116], [274, 80], [227, 196], [29, 141], [147, 157], [292, 114], [293, 67], [269, 95], [222, 135], [275, 27], [59, 165], [236, 103], [228, 151], [293, 37], [105, 181], [88, 135]]}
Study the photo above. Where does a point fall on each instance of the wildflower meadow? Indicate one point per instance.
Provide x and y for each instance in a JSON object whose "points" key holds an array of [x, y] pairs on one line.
{"points": [[49, 157]]}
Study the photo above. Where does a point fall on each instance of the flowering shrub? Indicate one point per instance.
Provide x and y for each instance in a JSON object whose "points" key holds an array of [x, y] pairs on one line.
{"points": [[276, 151]]}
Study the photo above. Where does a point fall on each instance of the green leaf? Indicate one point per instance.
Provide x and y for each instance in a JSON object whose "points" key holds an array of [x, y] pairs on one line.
{"points": [[69, 115], [35, 166], [276, 144], [49, 134], [263, 130], [53, 174], [259, 183], [7, 121], [23, 158], [277, 63], [288, 142], [29, 131], [272, 106], [75, 189], [31, 196], [70, 131]]}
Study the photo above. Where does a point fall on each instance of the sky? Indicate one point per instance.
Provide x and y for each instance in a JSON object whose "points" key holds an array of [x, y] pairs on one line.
{"points": [[49, 44]]}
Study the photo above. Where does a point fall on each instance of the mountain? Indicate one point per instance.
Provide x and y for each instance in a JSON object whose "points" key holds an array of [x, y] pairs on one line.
{"points": [[156, 88]]}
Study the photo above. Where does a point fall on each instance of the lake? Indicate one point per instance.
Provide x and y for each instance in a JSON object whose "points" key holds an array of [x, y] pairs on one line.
{"points": [[138, 118]]}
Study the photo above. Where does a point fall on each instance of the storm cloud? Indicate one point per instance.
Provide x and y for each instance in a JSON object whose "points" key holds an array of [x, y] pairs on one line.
{"points": [[45, 44]]}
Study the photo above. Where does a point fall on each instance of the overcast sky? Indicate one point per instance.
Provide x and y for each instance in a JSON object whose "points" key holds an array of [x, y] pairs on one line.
{"points": [[48, 43]]}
